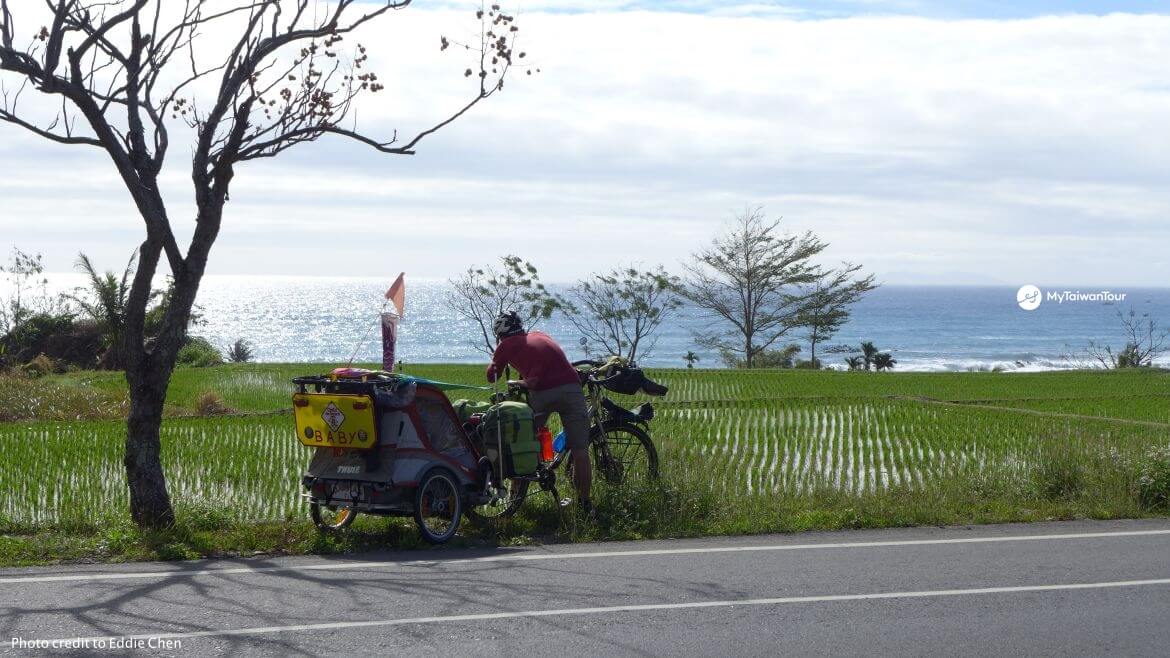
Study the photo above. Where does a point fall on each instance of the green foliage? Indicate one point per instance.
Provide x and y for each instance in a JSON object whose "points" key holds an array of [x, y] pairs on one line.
{"points": [[26, 291], [691, 359], [869, 358], [1059, 476], [782, 358], [35, 335], [481, 294], [105, 297], [622, 309], [1154, 479], [23, 399], [198, 352], [749, 280], [827, 301]]}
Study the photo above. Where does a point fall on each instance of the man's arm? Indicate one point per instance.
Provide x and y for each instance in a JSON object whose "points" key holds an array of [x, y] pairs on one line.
{"points": [[499, 362]]}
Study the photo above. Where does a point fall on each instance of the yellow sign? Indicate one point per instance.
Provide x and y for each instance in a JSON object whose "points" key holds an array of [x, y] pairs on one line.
{"points": [[327, 420]]}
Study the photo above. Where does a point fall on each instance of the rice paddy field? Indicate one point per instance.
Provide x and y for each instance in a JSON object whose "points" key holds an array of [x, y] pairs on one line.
{"points": [[742, 451]]}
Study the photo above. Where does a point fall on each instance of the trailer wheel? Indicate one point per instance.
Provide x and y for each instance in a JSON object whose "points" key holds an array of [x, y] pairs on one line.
{"points": [[330, 519], [438, 506]]}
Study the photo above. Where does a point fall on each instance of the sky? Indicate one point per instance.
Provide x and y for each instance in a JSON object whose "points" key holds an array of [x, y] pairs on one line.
{"points": [[973, 143]]}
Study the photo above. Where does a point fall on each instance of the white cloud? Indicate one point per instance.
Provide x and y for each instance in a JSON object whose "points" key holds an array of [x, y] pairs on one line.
{"points": [[932, 151]]}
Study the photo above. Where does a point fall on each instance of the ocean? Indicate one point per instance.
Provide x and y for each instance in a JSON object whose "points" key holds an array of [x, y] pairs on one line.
{"points": [[927, 328]]}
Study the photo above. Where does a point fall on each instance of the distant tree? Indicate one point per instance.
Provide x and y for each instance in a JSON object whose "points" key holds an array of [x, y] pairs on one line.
{"points": [[245, 80], [884, 361], [104, 299], [827, 302], [240, 351], [868, 353], [855, 362], [25, 292], [623, 308], [691, 358], [750, 279], [482, 293], [1145, 341]]}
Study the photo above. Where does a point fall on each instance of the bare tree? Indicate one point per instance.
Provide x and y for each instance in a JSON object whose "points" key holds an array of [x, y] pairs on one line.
{"points": [[125, 73], [828, 299], [1144, 343], [750, 278], [482, 293], [622, 309], [25, 293]]}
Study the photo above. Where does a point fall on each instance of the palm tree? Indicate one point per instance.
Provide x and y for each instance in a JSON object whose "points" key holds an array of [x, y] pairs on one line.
{"points": [[868, 352], [104, 301], [854, 362], [883, 361], [690, 357]]}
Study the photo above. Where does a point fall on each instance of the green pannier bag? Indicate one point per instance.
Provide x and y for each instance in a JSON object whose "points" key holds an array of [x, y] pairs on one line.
{"points": [[465, 408], [521, 449]]}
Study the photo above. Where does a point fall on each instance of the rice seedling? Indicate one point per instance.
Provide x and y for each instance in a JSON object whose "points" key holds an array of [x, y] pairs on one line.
{"points": [[772, 449]]}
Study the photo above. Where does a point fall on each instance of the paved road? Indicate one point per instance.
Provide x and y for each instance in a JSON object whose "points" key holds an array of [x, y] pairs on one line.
{"points": [[1079, 588]]}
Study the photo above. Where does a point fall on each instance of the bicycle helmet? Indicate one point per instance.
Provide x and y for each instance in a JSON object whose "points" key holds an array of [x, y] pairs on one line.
{"points": [[508, 324]]}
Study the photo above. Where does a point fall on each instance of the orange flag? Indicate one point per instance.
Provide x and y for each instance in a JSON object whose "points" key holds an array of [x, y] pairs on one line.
{"points": [[397, 293]]}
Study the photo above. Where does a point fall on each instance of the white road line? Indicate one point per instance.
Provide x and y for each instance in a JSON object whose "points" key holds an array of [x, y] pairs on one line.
{"points": [[261, 630], [527, 557]]}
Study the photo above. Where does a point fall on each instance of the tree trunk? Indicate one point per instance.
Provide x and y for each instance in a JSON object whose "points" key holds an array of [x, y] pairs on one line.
{"points": [[150, 504]]}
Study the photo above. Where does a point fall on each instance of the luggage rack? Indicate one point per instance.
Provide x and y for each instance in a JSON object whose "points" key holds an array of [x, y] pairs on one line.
{"points": [[366, 384]]}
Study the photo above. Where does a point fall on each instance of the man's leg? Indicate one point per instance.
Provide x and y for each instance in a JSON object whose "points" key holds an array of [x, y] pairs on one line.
{"points": [[582, 473], [574, 415]]}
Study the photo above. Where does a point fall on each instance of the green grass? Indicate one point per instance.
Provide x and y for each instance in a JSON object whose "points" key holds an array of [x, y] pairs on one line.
{"points": [[742, 452]]}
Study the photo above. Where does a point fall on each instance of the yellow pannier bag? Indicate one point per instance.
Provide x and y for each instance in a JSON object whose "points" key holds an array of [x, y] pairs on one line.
{"points": [[331, 420]]}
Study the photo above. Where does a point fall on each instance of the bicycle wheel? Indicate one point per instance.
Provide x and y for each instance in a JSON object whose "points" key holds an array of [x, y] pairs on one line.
{"points": [[627, 456], [438, 505], [503, 508], [328, 519]]}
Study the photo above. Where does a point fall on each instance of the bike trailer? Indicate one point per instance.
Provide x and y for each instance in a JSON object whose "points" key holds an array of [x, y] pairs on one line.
{"points": [[376, 436], [510, 424]]}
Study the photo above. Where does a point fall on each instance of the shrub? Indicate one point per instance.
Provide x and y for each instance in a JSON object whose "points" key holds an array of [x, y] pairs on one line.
{"points": [[782, 358], [58, 337], [199, 353], [211, 403], [1154, 479], [240, 351], [39, 367], [1059, 476]]}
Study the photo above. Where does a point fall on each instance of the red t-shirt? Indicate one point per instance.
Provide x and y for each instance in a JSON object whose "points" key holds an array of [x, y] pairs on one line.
{"points": [[539, 359]]}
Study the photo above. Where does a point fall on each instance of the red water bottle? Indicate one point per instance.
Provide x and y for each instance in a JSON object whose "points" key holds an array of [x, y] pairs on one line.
{"points": [[544, 436]]}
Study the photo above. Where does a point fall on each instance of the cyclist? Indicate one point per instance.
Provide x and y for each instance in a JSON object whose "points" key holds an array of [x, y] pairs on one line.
{"points": [[553, 386]]}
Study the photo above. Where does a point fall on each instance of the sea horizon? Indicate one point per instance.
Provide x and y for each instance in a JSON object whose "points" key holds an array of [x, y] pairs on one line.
{"points": [[926, 327]]}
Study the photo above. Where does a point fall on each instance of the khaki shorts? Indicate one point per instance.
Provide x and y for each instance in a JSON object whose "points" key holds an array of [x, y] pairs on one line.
{"points": [[568, 402]]}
